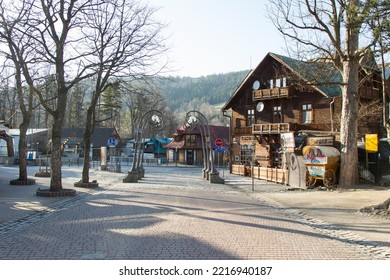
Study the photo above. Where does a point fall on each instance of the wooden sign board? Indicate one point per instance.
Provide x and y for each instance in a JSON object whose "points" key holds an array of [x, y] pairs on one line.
{"points": [[320, 141], [287, 140]]}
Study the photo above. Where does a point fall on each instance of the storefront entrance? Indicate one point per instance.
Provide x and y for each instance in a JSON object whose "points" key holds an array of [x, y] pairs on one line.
{"points": [[190, 157]]}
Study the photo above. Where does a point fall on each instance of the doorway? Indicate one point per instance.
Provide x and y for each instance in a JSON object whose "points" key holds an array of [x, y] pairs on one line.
{"points": [[190, 157]]}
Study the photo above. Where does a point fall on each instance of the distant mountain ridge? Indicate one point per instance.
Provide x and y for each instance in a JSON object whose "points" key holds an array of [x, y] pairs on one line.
{"points": [[212, 89]]}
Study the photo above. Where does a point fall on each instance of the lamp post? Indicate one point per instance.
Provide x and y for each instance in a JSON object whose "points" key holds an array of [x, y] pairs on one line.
{"points": [[196, 118], [153, 119], [192, 122]]}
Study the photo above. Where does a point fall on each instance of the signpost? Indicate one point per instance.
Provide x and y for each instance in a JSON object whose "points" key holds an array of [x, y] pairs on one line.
{"points": [[218, 142], [112, 142]]}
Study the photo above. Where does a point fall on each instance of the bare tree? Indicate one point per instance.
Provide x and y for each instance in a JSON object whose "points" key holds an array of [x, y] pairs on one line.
{"points": [[369, 113], [125, 42], [76, 105], [331, 29], [139, 97], [15, 52], [51, 35], [8, 97], [72, 41], [379, 22]]}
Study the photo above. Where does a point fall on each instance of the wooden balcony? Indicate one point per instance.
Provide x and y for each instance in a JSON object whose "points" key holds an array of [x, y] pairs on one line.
{"points": [[242, 130], [369, 92], [263, 94], [271, 128]]}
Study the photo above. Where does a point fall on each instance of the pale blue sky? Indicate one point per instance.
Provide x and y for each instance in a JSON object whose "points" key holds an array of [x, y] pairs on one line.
{"points": [[217, 36]]}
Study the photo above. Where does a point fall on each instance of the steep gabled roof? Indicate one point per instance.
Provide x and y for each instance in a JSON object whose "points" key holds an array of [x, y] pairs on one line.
{"points": [[98, 138], [322, 75], [327, 83]]}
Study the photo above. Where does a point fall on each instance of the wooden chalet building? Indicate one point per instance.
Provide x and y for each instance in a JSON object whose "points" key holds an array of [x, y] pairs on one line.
{"points": [[186, 145], [286, 95]]}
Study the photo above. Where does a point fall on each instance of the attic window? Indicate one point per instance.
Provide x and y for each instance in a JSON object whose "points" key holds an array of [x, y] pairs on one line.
{"points": [[284, 82], [271, 84]]}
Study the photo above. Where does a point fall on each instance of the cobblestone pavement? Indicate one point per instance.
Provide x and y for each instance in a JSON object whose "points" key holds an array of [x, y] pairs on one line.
{"points": [[175, 214]]}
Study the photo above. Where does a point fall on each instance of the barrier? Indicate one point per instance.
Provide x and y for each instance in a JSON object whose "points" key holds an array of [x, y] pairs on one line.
{"points": [[275, 175]]}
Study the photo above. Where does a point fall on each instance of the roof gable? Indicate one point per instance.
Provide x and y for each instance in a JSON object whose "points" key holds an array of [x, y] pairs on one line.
{"points": [[321, 75], [327, 84]]}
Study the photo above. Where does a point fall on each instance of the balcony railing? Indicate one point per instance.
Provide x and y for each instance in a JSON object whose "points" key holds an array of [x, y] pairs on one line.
{"points": [[369, 92], [271, 128], [242, 130], [268, 93]]}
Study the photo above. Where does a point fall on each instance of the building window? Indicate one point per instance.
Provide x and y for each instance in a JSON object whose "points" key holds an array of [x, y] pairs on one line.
{"points": [[246, 153], [284, 82], [276, 156], [307, 113], [250, 118], [277, 114], [277, 83], [191, 140], [271, 84]]}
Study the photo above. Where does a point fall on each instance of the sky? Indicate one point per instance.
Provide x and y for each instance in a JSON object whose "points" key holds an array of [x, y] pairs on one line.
{"points": [[216, 36]]}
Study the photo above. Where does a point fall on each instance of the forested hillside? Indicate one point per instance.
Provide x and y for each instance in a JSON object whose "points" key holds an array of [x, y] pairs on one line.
{"points": [[212, 89], [122, 105]]}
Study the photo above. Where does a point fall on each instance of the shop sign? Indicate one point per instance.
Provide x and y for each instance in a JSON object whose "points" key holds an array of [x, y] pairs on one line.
{"points": [[316, 171], [315, 155], [320, 141], [287, 140]]}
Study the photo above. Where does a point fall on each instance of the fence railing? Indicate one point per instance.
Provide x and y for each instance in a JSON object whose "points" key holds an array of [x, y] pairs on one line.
{"points": [[276, 175]]}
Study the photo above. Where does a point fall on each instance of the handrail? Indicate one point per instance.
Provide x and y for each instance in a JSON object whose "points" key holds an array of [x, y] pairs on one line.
{"points": [[270, 128]]}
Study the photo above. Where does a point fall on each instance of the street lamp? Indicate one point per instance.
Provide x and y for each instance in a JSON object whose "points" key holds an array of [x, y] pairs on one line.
{"points": [[191, 123], [153, 119], [196, 118]]}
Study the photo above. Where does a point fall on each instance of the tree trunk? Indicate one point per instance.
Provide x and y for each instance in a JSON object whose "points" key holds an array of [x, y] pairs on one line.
{"points": [[349, 175], [23, 151], [348, 129], [10, 147], [87, 145], [56, 163]]}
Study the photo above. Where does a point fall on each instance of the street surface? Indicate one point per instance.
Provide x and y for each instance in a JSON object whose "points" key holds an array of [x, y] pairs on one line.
{"points": [[173, 213]]}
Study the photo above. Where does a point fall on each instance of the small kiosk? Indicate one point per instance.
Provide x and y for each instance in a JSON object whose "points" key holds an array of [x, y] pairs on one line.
{"points": [[321, 163]]}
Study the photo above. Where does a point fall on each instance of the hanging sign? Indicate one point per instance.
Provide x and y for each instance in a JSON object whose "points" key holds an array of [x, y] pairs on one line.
{"points": [[287, 140]]}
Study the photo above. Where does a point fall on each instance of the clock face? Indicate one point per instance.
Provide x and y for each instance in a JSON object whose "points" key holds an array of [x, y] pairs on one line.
{"points": [[256, 85], [260, 107]]}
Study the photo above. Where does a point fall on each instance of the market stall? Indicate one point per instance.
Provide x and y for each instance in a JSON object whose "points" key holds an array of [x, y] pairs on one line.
{"points": [[321, 163]]}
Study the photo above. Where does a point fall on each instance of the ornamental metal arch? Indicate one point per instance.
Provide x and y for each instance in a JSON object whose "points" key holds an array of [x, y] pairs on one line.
{"points": [[154, 119], [195, 118]]}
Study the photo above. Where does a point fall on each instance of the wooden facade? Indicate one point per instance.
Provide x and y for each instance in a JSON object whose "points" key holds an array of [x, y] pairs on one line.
{"points": [[187, 145], [271, 100]]}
